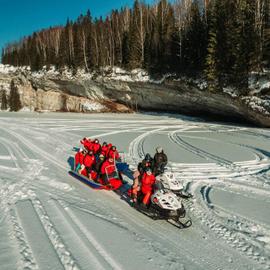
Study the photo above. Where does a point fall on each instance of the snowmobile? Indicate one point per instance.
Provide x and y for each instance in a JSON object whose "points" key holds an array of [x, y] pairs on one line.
{"points": [[169, 182], [165, 205]]}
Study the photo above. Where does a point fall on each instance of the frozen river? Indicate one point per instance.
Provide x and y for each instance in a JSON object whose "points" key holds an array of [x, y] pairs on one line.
{"points": [[49, 220]]}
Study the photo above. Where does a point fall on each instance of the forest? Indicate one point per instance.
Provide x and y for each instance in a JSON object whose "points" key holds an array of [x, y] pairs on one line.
{"points": [[220, 40]]}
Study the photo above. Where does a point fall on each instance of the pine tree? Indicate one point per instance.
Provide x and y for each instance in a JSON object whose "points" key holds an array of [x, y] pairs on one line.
{"points": [[211, 70], [194, 42], [66, 50], [136, 48], [4, 102], [14, 99], [266, 36], [125, 49]]}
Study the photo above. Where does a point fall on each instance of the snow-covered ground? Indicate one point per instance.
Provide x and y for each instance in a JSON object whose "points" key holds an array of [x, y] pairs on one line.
{"points": [[49, 220]]}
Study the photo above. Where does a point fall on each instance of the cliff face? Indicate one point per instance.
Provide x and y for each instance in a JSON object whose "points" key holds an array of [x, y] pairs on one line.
{"points": [[100, 94], [21, 91]]}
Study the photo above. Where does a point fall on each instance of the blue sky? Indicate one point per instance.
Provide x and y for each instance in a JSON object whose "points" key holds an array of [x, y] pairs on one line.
{"points": [[19, 18]]}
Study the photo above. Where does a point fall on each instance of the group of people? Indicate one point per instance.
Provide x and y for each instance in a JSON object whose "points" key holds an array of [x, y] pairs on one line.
{"points": [[145, 176], [96, 161]]}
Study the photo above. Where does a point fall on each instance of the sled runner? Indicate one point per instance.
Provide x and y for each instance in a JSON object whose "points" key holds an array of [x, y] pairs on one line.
{"points": [[113, 182]]}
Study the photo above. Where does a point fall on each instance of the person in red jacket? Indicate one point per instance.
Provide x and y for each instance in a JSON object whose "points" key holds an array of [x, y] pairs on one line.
{"points": [[79, 157], [96, 147], [148, 180], [113, 153], [108, 170], [108, 149], [87, 143], [104, 149], [88, 163]]}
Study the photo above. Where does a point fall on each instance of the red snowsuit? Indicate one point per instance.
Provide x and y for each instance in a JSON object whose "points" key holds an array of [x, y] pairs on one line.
{"points": [[109, 146], [113, 154], [147, 186], [109, 175], [104, 150], [79, 158], [96, 148], [88, 162], [108, 167], [87, 144]]}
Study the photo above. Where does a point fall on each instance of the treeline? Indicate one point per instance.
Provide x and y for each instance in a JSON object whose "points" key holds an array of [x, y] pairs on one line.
{"points": [[222, 39]]}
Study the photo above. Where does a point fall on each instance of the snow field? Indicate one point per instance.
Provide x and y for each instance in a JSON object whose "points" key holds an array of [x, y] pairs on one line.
{"points": [[49, 220]]}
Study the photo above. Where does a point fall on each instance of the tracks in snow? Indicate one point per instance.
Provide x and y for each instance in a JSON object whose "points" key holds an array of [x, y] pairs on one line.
{"points": [[62, 228]]}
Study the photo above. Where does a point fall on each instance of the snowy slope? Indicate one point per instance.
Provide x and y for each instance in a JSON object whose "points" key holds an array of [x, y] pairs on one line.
{"points": [[49, 220]]}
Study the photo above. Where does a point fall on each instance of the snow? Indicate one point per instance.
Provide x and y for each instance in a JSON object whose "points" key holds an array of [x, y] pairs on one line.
{"points": [[8, 69], [259, 81], [49, 220], [92, 106], [258, 104], [231, 91], [5, 69]]}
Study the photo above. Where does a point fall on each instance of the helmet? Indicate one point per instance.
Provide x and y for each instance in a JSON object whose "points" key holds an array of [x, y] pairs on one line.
{"points": [[159, 149], [147, 157], [113, 148], [96, 141]]}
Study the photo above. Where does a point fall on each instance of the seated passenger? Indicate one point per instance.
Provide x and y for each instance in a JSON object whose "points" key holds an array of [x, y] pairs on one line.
{"points": [[113, 153], [99, 163], [160, 161], [96, 147], [79, 157], [104, 148], [87, 143], [109, 146], [88, 162], [108, 170]]}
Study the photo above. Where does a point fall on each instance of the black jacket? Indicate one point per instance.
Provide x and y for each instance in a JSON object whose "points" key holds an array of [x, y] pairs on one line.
{"points": [[145, 164], [160, 159]]}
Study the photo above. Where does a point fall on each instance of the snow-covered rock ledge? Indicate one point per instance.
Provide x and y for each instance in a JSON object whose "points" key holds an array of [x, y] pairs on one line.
{"points": [[122, 91], [21, 90]]}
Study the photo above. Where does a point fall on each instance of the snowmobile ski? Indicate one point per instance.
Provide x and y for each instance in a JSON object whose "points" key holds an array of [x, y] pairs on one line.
{"points": [[181, 223]]}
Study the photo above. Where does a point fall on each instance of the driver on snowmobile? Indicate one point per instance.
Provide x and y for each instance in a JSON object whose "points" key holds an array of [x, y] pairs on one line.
{"points": [[147, 162], [160, 161], [148, 180]]}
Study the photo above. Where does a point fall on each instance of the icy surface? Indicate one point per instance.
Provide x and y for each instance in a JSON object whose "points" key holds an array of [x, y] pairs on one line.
{"points": [[49, 220]]}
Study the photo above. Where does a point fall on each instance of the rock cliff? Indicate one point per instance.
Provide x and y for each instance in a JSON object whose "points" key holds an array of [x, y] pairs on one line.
{"points": [[22, 90]]}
